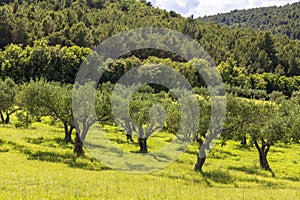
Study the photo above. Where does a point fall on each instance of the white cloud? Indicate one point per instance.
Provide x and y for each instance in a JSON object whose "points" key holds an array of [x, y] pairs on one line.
{"points": [[211, 7]]}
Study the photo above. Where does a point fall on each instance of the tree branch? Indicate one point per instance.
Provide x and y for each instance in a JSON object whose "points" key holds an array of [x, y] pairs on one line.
{"points": [[12, 112], [257, 145]]}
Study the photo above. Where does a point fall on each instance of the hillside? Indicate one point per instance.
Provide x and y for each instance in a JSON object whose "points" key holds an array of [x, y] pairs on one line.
{"points": [[86, 23], [282, 20], [80, 22]]}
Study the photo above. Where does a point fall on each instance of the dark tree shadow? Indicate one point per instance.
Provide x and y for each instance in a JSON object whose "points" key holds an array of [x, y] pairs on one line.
{"points": [[120, 141], [252, 170], [245, 169], [218, 176], [50, 142], [70, 159], [180, 177], [292, 178], [243, 147]]}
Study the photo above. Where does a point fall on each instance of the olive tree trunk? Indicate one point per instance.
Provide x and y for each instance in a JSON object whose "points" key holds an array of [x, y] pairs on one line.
{"points": [[78, 145], [68, 132], [263, 152], [6, 119], [244, 140], [143, 145], [2, 118], [129, 137], [201, 156], [128, 131], [80, 137]]}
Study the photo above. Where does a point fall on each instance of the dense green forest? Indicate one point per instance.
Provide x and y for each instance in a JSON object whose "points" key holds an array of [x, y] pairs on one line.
{"points": [[87, 23], [277, 20]]}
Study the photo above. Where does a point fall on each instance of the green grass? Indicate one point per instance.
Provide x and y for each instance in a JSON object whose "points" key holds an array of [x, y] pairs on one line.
{"points": [[37, 164]]}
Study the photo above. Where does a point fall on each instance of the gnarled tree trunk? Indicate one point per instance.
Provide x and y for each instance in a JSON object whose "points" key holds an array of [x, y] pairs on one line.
{"points": [[263, 152], [201, 156], [244, 140], [128, 131], [78, 145], [200, 162], [7, 119], [2, 118], [129, 137], [263, 160], [68, 133], [81, 134], [143, 145]]}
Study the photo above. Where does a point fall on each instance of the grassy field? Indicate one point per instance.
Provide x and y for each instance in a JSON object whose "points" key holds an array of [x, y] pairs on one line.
{"points": [[37, 164]]}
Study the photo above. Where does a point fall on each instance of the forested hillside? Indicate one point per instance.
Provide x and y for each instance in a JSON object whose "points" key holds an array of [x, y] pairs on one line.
{"points": [[282, 20], [87, 23]]}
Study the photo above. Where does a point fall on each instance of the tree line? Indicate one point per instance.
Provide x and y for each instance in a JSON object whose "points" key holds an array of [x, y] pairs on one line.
{"points": [[57, 63], [278, 20], [257, 122]]}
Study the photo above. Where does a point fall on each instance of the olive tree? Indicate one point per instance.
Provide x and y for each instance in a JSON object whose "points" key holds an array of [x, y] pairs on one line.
{"points": [[147, 117], [42, 98], [196, 128], [85, 115], [266, 123], [8, 91], [294, 108], [141, 113]]}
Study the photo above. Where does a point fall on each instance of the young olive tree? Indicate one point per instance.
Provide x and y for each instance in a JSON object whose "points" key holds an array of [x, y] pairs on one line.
{"points": [[8, 91], [120, 111], [148, 117], [294, 108], [90, 105], [42, 98], [194, 113], [141, 113], [267, 123]]}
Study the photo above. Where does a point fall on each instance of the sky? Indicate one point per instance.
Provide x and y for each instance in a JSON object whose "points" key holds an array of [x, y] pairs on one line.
{"points": [[200, 8]]}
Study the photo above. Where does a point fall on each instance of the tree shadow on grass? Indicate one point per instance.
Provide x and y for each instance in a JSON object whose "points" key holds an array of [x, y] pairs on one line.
{"points": [[221, 154], [245, 169], [50, 142], [120, 141], [69, 159], [218, 176], [292, 178], [262, 183], [181, 177], [3, 149], [252, 170]]}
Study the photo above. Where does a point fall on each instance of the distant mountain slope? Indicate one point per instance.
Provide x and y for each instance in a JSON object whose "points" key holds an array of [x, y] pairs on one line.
{"points": [[283, 19], [81, 22]]}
